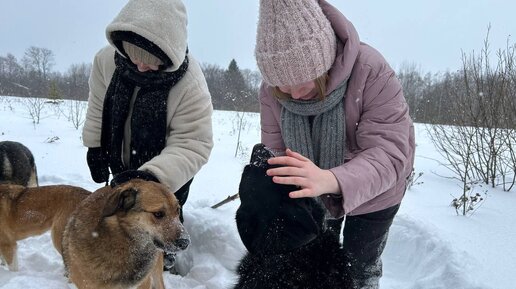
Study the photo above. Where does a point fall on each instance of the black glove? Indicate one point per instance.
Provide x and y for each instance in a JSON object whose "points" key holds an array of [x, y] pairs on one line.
{"points": [[132, 174], [98, 164]]}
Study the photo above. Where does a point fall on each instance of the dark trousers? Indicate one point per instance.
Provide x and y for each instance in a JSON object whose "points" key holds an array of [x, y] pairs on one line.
{"points": [[364, 238]]}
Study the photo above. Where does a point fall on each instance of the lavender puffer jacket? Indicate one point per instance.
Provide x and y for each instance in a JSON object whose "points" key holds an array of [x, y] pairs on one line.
{"points": [[379, 132]]}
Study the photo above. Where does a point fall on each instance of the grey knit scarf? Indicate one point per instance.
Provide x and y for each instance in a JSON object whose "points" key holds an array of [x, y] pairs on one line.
{"points": [[315, 128]]}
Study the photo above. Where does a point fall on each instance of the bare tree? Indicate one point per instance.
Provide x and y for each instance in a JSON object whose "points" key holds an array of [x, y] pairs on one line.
{"points": [[252, 78], [76, 81], [215, 79], [40, 60], [10, 66], [10, 76], [38, 63], [413, 85]]}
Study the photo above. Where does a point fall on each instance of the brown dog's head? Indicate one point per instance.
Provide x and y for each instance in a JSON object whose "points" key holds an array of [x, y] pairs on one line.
{"points": [[149, 212]]}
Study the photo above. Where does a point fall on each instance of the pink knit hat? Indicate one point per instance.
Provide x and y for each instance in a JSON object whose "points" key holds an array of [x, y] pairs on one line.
{"points": [[295, 42]]}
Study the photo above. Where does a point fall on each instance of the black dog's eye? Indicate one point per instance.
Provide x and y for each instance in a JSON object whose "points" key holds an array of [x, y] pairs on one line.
{"points": [[159, 215]]}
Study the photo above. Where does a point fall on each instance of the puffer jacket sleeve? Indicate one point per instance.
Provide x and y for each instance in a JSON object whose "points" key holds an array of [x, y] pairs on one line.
{"points": [[383, 155], [190, 137], [101, 73]]}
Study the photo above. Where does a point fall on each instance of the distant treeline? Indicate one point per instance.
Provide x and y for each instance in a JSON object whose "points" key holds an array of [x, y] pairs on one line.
{"points": [[33, 76], [478, 93]]}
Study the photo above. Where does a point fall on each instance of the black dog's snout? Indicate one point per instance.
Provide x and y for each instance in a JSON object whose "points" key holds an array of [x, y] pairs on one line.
{"points": [[182, 244]]}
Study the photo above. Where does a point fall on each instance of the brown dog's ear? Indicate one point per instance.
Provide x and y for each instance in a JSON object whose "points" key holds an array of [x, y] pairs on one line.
{"points": [[120, 200]]}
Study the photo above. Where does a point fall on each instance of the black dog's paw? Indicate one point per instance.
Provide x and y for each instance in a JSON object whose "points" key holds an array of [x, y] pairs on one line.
{"points": [[260, 155]]}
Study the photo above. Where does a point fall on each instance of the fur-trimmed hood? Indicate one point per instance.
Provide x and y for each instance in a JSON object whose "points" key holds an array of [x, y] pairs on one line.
{"points": [[162, 22]]}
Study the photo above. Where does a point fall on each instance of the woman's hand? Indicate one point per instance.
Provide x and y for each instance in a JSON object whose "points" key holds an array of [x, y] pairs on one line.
{"points": [[300, 171]]}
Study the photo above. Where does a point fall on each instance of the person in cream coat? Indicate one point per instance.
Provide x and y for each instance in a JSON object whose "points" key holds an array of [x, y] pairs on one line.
{"points": [[149, 108]]}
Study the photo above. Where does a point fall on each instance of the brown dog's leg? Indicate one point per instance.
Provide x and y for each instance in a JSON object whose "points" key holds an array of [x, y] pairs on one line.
{"points": [[146, 283], [10, 255], [157, 274], [78, 279], [155, 278], [57, 231]]}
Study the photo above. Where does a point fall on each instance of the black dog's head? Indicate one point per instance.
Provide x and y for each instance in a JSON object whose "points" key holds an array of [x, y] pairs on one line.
{"points": [[268, 221]]}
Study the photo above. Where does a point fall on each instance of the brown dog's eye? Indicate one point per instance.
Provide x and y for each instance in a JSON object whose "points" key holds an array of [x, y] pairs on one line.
{"points": [[159, 215]]}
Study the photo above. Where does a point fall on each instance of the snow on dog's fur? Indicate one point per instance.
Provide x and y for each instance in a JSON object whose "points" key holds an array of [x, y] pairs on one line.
{"points": [[116, 237], [26, 212]]}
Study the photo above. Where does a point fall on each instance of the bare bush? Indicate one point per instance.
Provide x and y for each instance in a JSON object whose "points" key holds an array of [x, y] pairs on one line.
{"points": [[412, 179], [456, 145], [478, 142], [468, 203], [35, 107], [76, 113]]}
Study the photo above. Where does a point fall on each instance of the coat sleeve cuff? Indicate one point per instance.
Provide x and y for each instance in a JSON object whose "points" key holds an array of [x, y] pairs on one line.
{"points": [[334, 205]]}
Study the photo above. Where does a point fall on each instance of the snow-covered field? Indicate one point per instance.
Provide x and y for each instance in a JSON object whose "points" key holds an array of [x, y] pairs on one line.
{"points": [[429, 246]]}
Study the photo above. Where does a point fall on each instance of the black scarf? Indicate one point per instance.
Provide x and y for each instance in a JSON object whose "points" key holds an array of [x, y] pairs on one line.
{"points": [[149, 114]]}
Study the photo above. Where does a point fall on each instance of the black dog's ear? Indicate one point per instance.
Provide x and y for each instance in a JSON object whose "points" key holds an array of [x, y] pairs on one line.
{"points": [[120, 200], [250, 227], [260, 201]]}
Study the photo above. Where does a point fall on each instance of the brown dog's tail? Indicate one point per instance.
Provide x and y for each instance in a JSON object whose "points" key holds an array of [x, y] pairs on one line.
{"points": [[33, 180]]}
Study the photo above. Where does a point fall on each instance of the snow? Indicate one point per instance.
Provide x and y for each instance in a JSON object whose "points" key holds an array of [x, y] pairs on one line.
{"points": [[429, 246]]}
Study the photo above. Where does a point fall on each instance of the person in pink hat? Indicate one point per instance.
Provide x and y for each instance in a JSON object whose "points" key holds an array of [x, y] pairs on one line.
{"points": [[334, 113]]}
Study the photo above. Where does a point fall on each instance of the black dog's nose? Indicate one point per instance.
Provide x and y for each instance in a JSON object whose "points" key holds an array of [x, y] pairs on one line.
{"points": [[182, 244]]}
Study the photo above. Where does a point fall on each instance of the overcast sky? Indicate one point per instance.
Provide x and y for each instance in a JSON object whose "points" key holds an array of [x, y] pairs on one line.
{"points": [[430, 34]]}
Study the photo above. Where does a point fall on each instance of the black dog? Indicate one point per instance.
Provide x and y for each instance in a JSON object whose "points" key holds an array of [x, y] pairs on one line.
{"points": [[287, 244], [17, 165]]}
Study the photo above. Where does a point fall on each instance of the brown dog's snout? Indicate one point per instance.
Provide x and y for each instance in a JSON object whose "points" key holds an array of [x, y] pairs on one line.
{"points": [[183, 241], [180, 240]]}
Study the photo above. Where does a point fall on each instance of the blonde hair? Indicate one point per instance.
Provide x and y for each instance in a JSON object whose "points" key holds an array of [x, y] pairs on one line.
{"points": [[320, 84]]}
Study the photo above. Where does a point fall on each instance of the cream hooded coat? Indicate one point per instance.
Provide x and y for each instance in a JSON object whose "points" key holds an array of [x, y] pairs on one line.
{"points": [[189, 130]]}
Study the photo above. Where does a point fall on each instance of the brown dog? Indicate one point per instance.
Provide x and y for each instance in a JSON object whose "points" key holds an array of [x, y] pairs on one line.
{"points": [[116, 237], [26, 212]]}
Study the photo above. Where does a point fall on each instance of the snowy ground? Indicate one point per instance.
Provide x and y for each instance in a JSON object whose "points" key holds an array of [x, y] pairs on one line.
{"points": [[429, 246]]}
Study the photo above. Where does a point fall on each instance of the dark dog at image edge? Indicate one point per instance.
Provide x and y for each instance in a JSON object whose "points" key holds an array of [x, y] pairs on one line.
{"points": [[287, 245], [26, 212], [17, 165], [116, 237]]}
